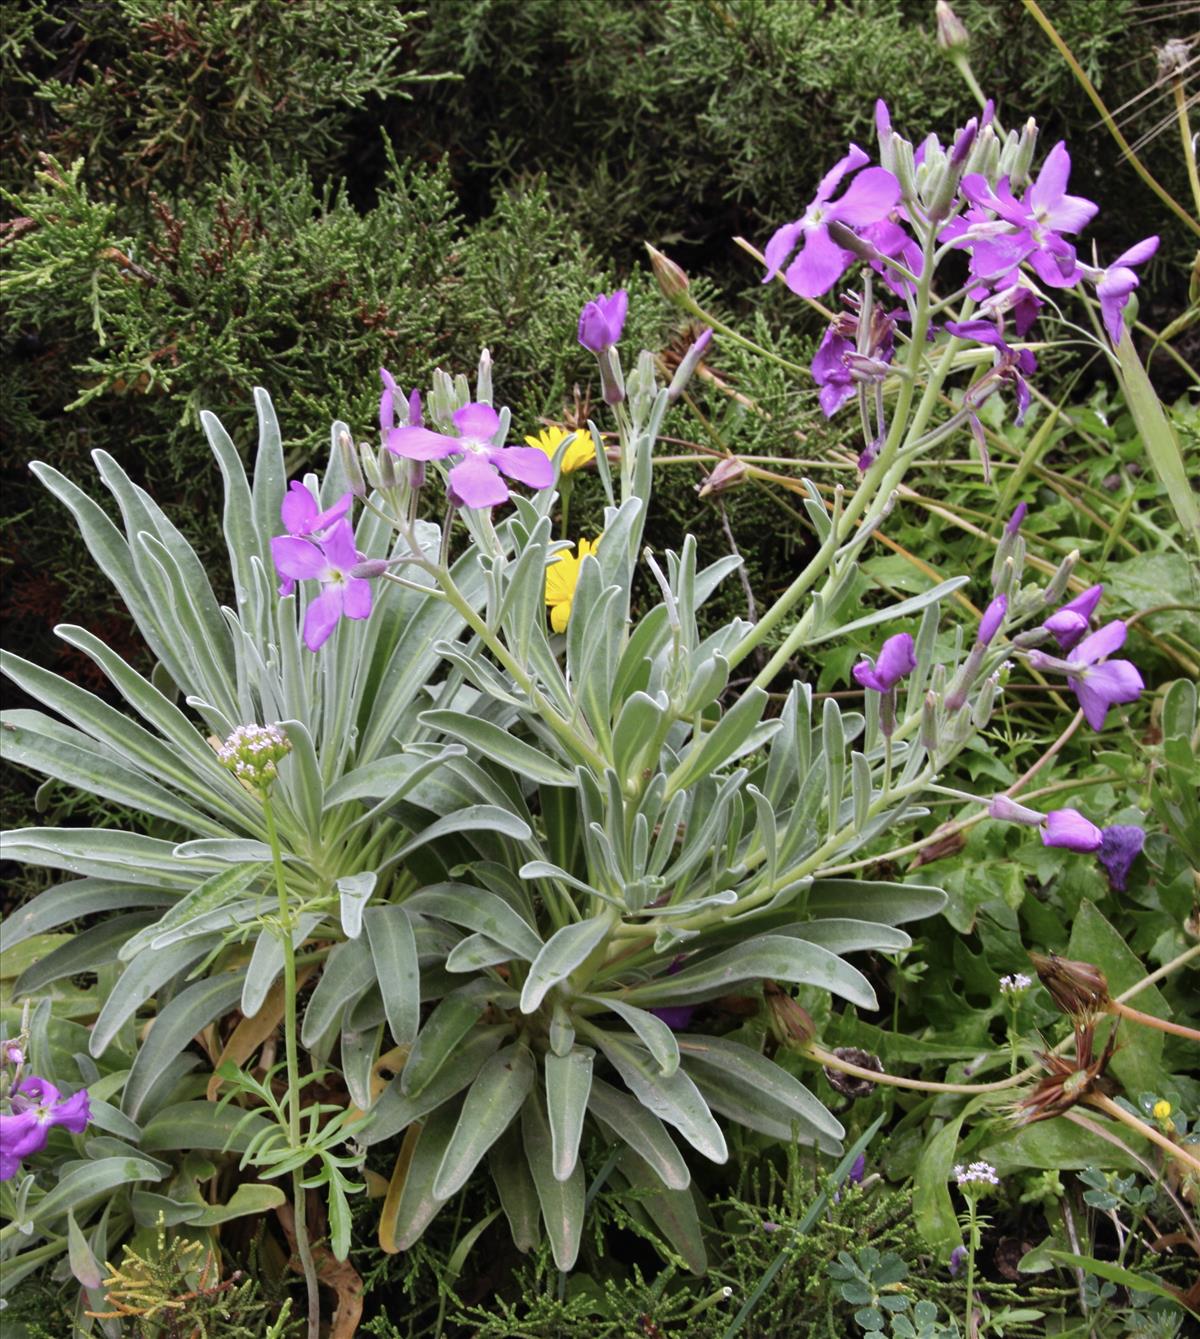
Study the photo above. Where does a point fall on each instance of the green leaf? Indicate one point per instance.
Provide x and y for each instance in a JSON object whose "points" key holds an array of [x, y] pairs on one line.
{"points": [[394, 949], [711, 751], [211, 895], [500, 745], [481, 911], [628, 1120], [82, 1184], [1139, 1065], [568, 1083], [202, 1125], [354, 891], [143, 977], [395, 1109], [673, 1098], [868, 900], [445, 1027], [249, 1199], [474, 818], [892, 612], [653, 1033], [518, 1195], [1059, 1145], [266, 961], [86, 951], [563, 952], [418, 1204], [932, 1206], [673, 1212], [187, 1014], [347, 974], [75, 900], [490, 1107], [769, 956], [1105, 1269], [561, 1202], [840, 935]]}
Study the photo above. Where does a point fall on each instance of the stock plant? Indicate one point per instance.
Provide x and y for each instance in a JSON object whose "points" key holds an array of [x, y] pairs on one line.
{"points": [[507, 868]]}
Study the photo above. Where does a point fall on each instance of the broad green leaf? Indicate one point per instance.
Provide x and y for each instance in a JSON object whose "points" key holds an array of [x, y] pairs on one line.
{"points": [[1056, 1145], [143, 977], [75, 900], [673, 1098], [104, 852], [644, 1133], [149, 1210], [84, 1266], [394, 949], [201, 1125], [491, 1105], [774, 957], [868, 900], [653, 1033], [518, 1195], [395, 1109], [568, 1083], [673, 1212], [86, 951], [765, 1082], [445, 1027], [82, 1184], [190, 1011], [1105, 1269], [562, 1202], [348, 972], [209, 896], [481, 911], [641, 723], [250, 1198], [475, 818], [266, 961], [563, 952], [713, 750], [841, 935], [354, 891], [500, 745]]}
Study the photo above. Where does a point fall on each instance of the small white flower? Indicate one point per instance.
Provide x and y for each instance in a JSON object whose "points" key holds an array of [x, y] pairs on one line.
{"points": [[1013, 985], [982, 1173]]}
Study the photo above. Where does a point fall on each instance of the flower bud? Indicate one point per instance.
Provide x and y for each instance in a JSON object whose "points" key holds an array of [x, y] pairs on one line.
{"points": [[387, 470], [1019, 172], [849, 240], [729, 473], [688, 365], [929, 724], [993, 618], [1078, 988], [1058, 582], [612, 381], [1007, 810], [905, 170], [1023, 641], [672, 280], [790, 1023], [982, 711], [370, 568], [368, 464], [351, 464], [952, 35], [483, 378]]}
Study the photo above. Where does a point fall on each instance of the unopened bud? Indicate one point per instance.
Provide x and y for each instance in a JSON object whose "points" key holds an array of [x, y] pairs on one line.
{"points": [[952, 35], [1058, 582], [905, 170], [791, 1023], [929, 723], [1025, 641], [688, 365], [483, 378], [729, 473], [1019, 172], [612, 382], [370, 466], [849, 240], [1007, 810], [387, 470], [672, 280], [370, 568], [1078, 988], [982, 711], [350, 463]]}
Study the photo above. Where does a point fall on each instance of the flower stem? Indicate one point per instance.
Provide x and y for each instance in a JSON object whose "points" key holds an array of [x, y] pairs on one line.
{"points": [[1118, 1113], [303, 1250], [972, 1235], [1136, 1016]]}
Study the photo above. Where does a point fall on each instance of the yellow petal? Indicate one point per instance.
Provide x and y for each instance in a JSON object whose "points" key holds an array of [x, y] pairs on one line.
{"points": [[559, 616]]}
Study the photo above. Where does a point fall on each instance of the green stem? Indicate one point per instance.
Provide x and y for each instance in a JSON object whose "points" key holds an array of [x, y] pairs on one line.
{"points": [[971, 1211], [1185, 131], [286, 921]]}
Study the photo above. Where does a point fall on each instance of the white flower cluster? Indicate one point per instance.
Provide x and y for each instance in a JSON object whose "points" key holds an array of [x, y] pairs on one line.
{"points": [[982, 1172], [252, 751], [1013, 985]]}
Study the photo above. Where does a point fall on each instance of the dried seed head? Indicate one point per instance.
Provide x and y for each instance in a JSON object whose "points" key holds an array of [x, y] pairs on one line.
{"points": [[1078, 988], [850, 1085]]}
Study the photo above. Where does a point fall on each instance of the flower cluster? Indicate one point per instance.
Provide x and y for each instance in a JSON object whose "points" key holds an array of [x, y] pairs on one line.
{"points": [[36, 1107], [1015, 984], [253, 752], [976, 1173]]}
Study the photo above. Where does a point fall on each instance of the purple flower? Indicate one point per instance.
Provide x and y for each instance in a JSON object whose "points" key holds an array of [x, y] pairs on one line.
{"points": [[1013, 524], [831, 372], [301, 515], [957, 1256], [1115, 284], [1069, 623], [678, 1017], [1007, 810], [857, 1169], [896, 659], [845, 357], [475, 481], [993, 616], [1100, 686], [393, 396], [821, 262], [601, 323], [337, 565], [1010, 365], [1120, 845], [1035, 224], [1069, 829], [37, 1108]]}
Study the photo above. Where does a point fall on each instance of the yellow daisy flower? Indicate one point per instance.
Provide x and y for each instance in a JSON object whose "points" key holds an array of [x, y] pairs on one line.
{"points": [[562, 576], [581, 451]]}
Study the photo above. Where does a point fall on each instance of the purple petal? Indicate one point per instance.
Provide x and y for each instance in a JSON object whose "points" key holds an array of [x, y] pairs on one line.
{"points": [[780, 247], [475, 483], [1112, 311], [1067, 627], [22, 1134], [871, 195], [1116, 682], [322, 617], [356, 599], [829, 183], [1137, 254], [1120, 846], [1069, 829], [339, 547], [1072, 214], [865, 677], [1110, 638], [299, 509], [1085, 602], [421, 444], [73, 1114], [993, 616], [1014, 521], [896, 659], [1051, 183], [526, 464], [297, 558], [833, 395], [820, 264], [677, 1017], [983, 332], [477, 420]]}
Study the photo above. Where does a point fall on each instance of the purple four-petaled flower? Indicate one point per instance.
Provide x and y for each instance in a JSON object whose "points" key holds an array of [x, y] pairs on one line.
{"points": [[1099, 683], [1069, 623], [601, 322], [896, 659], [821, 262], [37, 1107], [1115, 285], [338, 566], [303, 517], [475, 481]]}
